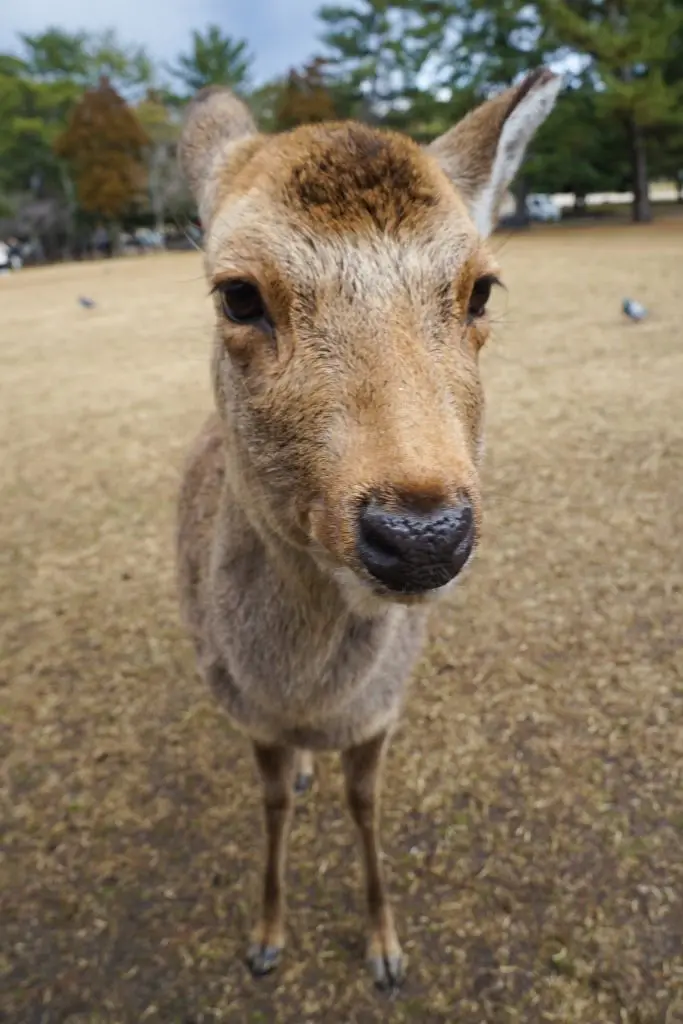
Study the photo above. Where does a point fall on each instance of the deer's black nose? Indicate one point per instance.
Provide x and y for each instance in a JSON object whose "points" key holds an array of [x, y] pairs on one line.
{"points": [[412, 552]]}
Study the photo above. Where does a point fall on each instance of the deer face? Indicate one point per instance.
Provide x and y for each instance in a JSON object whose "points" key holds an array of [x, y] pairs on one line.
{"points": [[351, 276]]}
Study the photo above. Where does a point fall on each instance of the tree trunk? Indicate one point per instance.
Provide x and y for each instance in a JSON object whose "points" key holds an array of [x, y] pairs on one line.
{"points": [[115, 238], [642, 211], [521, 215], [70, 209], [156, 186]]}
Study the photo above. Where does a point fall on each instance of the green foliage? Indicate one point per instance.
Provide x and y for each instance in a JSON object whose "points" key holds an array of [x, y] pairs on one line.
{"points": [[582, 148], [12, 67], [214, 59], [413, 65], [38, 91], [32, 114], [161, 122], [128, 68], [377, 50], [82, 59], [493, 44], [55, 54], [263, 101], [629, 45]]}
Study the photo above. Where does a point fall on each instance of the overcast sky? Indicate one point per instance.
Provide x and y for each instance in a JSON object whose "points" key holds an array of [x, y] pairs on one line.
{"points": [[281, 33]]}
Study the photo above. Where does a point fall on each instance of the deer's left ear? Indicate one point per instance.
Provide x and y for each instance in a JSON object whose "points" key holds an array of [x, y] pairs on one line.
{"points": [[483, 152]]}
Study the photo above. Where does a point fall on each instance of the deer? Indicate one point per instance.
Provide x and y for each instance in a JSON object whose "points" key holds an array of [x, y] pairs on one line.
{"points": [[333, 495]]}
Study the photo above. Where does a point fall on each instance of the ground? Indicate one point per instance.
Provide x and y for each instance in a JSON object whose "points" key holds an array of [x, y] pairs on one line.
{"points": [[533, 811]]}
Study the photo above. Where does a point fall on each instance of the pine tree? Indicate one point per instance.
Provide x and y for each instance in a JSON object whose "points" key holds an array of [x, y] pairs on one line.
{"points": [[214, 59], [582, 148], [376, 50], [628, 46], [82, 58]]}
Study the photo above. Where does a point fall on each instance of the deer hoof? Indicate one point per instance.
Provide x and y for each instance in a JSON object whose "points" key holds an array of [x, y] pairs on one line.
{"points": [[263, 959], [387, 970], [302, 783]]}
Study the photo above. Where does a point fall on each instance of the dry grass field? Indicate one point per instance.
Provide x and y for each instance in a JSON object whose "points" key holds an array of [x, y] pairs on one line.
{"points": [[533, 816]]}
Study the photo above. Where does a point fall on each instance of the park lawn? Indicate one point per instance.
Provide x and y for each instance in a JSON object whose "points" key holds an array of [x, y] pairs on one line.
{"points": [[533, 810]]}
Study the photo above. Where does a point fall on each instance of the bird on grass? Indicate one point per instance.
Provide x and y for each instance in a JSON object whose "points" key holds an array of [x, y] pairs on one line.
{"points": [[634, 310]]}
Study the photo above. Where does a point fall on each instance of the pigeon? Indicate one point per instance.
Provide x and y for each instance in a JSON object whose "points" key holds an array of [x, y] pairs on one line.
{"points": [[634, 310], [86, 302]]}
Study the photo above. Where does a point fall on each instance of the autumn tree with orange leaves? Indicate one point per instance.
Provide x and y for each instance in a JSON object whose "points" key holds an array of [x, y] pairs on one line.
{"points": [[305, 98], [104, 143]]}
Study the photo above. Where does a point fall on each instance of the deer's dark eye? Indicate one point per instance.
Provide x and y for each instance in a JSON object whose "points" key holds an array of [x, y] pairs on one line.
{"points": [[241, 302], [481, 294]]}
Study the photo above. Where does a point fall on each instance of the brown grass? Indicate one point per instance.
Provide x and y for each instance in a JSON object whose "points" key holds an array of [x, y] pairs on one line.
{"points": [[534, 799]]}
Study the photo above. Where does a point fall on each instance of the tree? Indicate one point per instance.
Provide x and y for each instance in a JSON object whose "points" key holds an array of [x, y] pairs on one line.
{"points": [[667, 142], [304, 98], [55, 55], [665, 155], [161, 124], [34, 183], [214, 59], [38, 90], [104, 143], [627, 45], [32, 114], [376, 51], [128, 67], [83, 58], [491, 45], [421, 64], [263, 103], [581, 148]]}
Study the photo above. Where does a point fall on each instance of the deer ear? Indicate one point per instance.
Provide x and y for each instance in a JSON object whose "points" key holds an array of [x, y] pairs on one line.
{"points": [[218, 136], [483, 152]]}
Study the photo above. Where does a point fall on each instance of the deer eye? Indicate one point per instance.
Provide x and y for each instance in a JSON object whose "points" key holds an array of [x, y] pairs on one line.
{"points": [[480, 295], [241, 302]]}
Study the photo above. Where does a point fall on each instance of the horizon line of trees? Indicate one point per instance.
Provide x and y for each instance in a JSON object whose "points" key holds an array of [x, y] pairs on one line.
{"points": [[89, 124]]}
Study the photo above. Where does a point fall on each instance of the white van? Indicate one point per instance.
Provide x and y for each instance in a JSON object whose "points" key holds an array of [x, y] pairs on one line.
{"points": [[542, 207]]}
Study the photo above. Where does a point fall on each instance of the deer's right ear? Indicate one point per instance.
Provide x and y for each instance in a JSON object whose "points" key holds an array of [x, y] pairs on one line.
{"points": [[218, 135], [482, 154]]}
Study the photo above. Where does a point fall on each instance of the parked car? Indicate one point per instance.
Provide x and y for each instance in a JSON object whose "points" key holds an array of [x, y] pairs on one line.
{"points": [[149, 239], [187, 238], [542, 207], [141, 240]]}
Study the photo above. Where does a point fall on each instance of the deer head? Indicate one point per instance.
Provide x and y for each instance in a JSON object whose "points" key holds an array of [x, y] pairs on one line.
{"points": [[350, 275]]}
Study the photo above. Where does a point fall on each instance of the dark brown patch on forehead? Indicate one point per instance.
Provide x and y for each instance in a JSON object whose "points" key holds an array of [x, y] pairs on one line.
{"points": [[350, 176]]}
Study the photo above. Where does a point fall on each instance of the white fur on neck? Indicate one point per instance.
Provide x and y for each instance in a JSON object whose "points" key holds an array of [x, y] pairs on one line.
{"points": [[362, 600]]}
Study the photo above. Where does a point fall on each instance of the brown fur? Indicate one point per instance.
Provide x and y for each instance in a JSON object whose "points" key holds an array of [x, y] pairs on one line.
{"points": [[366, 386], [349, 175]]}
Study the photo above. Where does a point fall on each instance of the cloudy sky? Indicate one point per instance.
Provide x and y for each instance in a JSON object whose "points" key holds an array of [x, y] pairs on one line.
{"points": [[281, 33]]}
